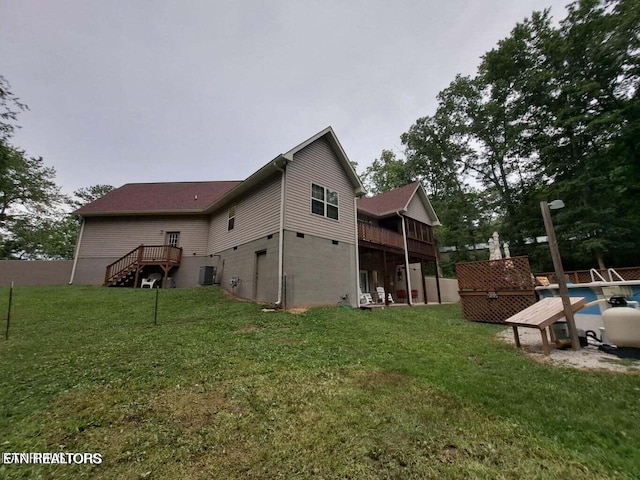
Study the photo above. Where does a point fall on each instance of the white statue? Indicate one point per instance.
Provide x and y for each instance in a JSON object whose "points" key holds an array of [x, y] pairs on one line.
{"points": [[507, 252], [496, 246]]}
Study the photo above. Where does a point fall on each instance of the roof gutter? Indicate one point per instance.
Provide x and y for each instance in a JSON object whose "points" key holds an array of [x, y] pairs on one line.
{"points": [[357, 255], [281, 231]]}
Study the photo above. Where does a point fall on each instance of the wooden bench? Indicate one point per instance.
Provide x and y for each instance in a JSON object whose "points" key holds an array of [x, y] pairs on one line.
{"points": [[541, 315]]}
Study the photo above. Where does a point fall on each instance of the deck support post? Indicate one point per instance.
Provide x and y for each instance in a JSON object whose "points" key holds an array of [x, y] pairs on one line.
{"points": [[424, 282], [385, 281], [438, 281]]}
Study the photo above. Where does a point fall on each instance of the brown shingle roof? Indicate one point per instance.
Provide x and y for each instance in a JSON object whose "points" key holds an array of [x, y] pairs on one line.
{"points": [[172, 197], [388, 202]]}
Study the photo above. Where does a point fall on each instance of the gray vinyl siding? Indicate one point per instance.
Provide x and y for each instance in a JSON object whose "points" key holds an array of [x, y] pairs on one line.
{"points": [[257, 215], [417, 211], [317, 163], [114, 237]]}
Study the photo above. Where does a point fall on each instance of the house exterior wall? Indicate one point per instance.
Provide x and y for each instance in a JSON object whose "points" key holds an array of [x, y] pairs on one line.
{"points": [[257, 215], [106, 239], [416, 210], [113, 237], [91, 271], [240, 261], [317, 163], [318, 272]]}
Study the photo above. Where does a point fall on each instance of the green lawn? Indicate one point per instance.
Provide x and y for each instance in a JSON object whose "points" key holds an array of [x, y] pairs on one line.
{"points": [[219, 389]]}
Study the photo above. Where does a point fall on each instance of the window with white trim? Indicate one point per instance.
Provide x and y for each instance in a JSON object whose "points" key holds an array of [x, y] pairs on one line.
{"points": [[172, 238], [324, 202]]}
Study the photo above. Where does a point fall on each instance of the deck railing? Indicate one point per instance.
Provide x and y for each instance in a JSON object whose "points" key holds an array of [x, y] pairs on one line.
{"points": [[368, 232], [144, 255], [418, 246]]}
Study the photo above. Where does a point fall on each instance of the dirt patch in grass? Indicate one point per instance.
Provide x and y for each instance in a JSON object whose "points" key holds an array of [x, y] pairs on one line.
{"points": [[587, 358], [250, 329], [375, 380], [192, 410], [297, 311]]}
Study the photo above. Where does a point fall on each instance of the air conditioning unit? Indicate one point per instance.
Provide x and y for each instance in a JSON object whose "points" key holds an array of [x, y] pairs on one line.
{"points": [[207, 275]]}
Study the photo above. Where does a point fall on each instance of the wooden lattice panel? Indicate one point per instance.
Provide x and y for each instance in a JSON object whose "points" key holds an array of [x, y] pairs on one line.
{"points": [[494, 290], [494, 307], [507, 274]]}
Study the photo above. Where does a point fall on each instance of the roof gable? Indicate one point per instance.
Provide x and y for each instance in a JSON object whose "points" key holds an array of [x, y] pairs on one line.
{"points": [[390, 202], [331, 137], [397, 201]]}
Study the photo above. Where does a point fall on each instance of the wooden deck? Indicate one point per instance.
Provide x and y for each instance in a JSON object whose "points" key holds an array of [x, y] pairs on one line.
{"points": [[542, 315]]}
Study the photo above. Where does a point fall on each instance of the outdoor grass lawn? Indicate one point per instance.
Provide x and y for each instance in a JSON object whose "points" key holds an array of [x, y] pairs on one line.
{"points": [[219, 389]]}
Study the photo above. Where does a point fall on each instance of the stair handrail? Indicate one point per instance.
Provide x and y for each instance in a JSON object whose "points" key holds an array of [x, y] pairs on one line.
{"points": [[611, 273], [594, 273], [122, 264]]}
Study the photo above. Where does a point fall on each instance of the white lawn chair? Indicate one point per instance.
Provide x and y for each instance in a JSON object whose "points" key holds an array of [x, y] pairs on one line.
{"points": [[150, 280], [380, 291], [365, 298]]}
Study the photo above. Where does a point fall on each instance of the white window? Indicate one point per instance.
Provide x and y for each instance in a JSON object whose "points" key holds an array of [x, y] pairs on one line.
{"points": [[324, 201], [172, 238], [232, 218]]}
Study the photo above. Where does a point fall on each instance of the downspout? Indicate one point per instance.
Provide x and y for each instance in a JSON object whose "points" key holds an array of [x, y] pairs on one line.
{"points": [[75, 257], [280, 236], [407, 273], [355, 212]]}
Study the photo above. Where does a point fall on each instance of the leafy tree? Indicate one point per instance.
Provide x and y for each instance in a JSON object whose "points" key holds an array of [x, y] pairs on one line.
{"points": [[386, 173], [464, 212], [10, 106], [553, 112], [86, 195], [29, 196], [590, 154], [42, 238], [52, 235], [26, 185]]}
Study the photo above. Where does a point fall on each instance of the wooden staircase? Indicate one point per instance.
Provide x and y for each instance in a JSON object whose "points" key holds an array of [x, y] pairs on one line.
{"points": [[126, 271]]}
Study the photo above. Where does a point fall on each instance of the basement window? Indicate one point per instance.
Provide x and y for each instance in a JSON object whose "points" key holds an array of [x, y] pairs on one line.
{"points": [[324, 202]]}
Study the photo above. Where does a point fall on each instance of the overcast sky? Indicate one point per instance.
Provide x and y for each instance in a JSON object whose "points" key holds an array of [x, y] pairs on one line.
{"points": [[179, 90]]}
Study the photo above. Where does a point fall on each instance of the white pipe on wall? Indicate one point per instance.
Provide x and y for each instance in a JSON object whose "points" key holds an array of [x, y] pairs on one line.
{"points": [[281, 235]]}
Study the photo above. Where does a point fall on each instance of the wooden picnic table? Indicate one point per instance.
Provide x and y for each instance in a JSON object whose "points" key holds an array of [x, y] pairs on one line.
{"points": [[541, 315]]}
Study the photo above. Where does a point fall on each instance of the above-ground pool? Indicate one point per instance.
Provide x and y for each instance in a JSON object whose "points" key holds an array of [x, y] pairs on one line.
{"points": [[590, 318]]}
